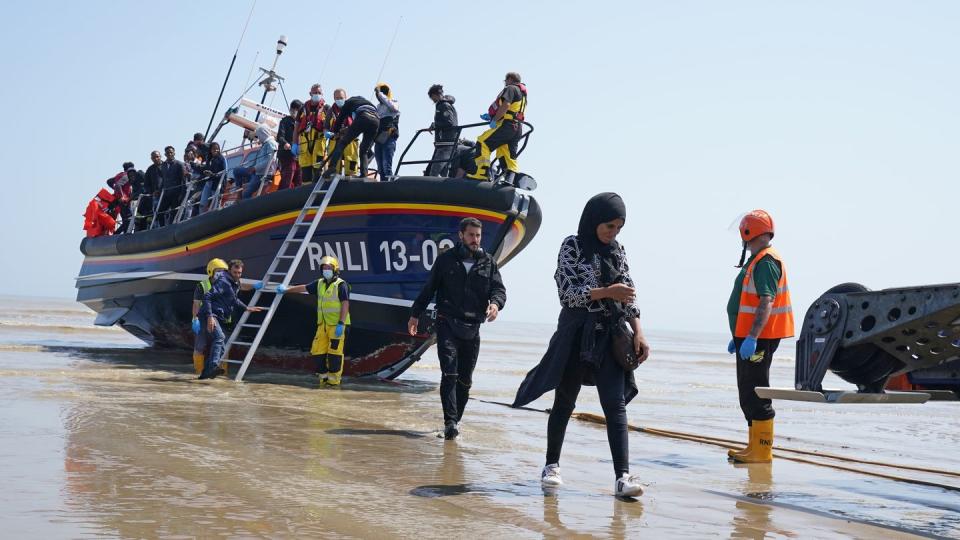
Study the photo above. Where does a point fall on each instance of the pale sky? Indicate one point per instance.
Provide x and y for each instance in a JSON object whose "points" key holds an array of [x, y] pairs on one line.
{"points": [[839, 118]]}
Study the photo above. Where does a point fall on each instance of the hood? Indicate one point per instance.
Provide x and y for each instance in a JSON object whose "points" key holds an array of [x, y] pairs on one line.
{"points": [[263, 134], [105, 195], [449, 99]]}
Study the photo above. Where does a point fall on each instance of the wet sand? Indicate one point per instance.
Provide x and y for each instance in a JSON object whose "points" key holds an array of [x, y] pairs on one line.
{"points": [[101, 437]]}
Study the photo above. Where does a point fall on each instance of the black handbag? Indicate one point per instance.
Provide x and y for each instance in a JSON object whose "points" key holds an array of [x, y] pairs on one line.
{"points": [[621, 346]]}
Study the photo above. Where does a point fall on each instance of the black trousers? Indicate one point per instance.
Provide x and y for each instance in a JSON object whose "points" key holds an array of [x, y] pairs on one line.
{"points": [[364, 124], [750, 375], [169, 203], [458, 358], [441, 155], [611, 385]]}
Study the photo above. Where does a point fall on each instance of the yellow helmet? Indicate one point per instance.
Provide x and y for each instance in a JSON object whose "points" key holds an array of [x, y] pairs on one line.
{"points": [[389, 91], [214, 265], [332, 261]]}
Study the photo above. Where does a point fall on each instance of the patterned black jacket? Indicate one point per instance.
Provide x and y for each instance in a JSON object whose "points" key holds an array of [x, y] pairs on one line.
{"points": [[575, 276]]}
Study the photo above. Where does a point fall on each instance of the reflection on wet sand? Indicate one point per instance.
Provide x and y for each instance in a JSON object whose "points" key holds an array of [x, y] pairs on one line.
{"points": [[120, 441]]}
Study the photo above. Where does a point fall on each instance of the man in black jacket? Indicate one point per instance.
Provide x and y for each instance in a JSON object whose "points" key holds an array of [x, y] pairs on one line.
{"points": [[365, 122], [468, 291], [444, 129], [286, 132]]}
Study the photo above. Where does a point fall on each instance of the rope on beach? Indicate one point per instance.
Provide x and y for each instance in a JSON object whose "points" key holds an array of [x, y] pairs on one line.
{"points": [[727, 443]]}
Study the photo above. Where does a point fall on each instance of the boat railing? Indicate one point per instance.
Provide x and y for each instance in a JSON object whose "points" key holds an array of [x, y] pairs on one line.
{"points": [[456, 143]]}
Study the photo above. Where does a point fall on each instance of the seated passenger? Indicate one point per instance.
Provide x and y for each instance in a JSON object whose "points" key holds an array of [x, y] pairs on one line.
{"points": [[100, 219], [250, 176]]}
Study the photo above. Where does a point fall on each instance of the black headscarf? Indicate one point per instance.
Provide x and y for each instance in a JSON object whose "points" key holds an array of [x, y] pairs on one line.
{"points": [[601, 208]]}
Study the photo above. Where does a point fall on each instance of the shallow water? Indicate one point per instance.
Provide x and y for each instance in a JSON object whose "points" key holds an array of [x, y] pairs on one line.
{"points": [[99, 436]]}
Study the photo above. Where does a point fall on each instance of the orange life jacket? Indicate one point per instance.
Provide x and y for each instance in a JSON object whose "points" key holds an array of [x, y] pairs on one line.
{"points": [[780, 323]]}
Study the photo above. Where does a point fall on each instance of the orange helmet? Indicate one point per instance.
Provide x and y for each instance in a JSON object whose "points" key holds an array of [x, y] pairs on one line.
{"points": [[755, 223]]}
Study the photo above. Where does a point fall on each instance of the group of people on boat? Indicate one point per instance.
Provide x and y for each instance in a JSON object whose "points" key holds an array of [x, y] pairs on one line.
{"points": [[314, 141]]}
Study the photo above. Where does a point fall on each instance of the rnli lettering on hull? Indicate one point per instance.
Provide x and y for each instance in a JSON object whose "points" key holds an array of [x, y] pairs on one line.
{"points": [[352, 258], [396, 255]]}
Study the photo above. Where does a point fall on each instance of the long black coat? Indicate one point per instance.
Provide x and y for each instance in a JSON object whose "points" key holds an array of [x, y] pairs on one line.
{"points": [[566, 346]]}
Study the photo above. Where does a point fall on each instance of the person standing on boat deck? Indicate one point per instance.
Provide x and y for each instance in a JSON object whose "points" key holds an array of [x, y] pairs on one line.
{"points": [[349, 164], [469, 290], [123, 194], [760, 315], [313, 146], [444, 128], [365, 122], [138, 190], [389, 130], [217, 309], [211, 173], [333, 319], [505, 116], [152, 184], [175, 176], [596, 294], [287, 144], [250, 176]]}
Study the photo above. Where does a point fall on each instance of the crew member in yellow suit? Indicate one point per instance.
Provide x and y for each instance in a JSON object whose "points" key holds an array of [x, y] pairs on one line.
{"points": [[349, 165], [310, 136], [505, 116], [333, 319]]}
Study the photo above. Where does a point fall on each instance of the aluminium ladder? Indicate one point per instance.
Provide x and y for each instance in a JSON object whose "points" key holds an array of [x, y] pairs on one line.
{"points": [[284, 265]]}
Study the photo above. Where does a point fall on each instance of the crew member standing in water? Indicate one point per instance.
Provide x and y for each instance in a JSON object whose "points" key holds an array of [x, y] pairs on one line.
{"points": [[467, 284], [200, 343], [760, 316], [217, 309], [597, 298], [333, 319]]}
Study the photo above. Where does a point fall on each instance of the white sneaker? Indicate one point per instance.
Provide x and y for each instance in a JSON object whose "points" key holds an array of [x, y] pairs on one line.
{"points": [[550, 476], [628, 486]]}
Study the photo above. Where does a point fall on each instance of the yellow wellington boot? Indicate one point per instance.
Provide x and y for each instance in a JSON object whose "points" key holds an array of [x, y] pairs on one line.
{"points": [[761, 443], [198, 360], [334, 379], [732, 454]]}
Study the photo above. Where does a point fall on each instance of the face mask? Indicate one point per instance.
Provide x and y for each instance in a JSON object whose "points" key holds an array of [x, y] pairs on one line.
{"points": [[328, 274], [339, 102], [315, 98]]}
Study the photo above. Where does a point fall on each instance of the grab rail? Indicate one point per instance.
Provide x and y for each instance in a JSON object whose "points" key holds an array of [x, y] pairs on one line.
{"points": [[524, 139]]}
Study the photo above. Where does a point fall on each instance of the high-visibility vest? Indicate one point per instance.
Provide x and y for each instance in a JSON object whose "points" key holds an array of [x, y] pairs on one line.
{"points": [[780, 323], [328, 302]]}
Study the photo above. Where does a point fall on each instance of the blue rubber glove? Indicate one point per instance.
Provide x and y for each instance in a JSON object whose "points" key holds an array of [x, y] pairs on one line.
{"points": [[258, 285], [485, 117], [493, 124], [195, 325], [328, 135], [732, 347], [748, 347], [281, 289], [295, 149], [338, 333]]}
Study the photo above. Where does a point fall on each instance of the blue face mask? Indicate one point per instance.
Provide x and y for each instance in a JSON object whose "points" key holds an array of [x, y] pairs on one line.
{"points": [[328, 274], [315, 98], [339, 102]]}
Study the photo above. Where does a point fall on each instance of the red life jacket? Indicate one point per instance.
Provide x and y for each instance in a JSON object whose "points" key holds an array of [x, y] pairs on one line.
{"points": [[518, 115]]}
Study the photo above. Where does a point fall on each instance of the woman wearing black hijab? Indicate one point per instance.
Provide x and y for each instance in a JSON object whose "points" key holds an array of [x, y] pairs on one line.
{"points": [[596, 292]]}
